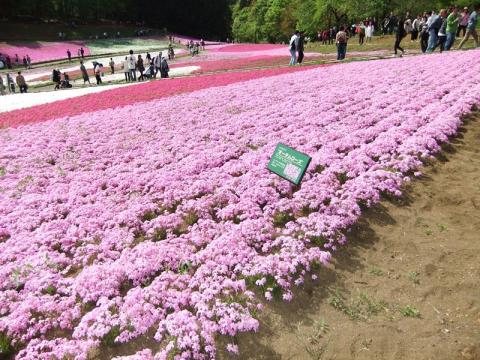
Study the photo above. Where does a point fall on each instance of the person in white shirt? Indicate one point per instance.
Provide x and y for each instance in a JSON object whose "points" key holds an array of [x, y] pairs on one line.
{"points": [[132, 62], [126, 70], [430, 19], [416, 27], [293, 47], [369, 32]]}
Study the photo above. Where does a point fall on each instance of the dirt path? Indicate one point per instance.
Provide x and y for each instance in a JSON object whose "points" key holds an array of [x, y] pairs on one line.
{"points": [[407, 285]]}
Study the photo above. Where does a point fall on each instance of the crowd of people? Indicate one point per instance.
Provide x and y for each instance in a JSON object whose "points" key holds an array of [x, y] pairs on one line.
{"points": [[432, 30], [6, 61], [134, 67], [438, 30], [11, 84], [364, 30], [195, 47]]}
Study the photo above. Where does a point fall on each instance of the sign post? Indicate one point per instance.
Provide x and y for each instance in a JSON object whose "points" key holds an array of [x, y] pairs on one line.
{"points": [[289, 163]]}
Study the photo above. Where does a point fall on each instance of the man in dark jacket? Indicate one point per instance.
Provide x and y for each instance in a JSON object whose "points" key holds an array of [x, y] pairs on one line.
{"points": [[56, 79], [400, 34], [301, 47], [164, 69]]}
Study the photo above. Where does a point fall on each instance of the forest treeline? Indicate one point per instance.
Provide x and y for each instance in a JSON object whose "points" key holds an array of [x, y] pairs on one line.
{"points": [[242, 20], [205, 18], [275, 20]]}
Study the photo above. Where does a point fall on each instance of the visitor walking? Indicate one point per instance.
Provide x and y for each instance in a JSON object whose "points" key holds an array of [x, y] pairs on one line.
{"points": [[132, 66], [407, 24], [10, 84], [29, 62], [462, 25], [69, 55], [442, 32], [369, 33], [9, 62], [341, 42], [17, 60], [332, 33], [25, 63], [85, 76], [434, 23], [164, 68], [126, 70], [2, 87], [140, 68], [22, 84], [452, 28], [157, 62], [399, 35], [293, 47], [112, 66], [82, 52], [424, 35], [149, 73], [392, 23], [416, 27], [97, 69], [471, 28], [56, 77], [360, 30], [324, 37], [301, 47]]}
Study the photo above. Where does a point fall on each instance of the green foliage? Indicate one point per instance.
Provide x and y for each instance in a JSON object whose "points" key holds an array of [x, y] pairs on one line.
{"points": [[361, 308], [203, 18], [159, 234], [109, 338], [5, 346], [270, 283], [50, 290], [275, 20], [376, 271], [280, 219], [184, 268], [410, 311], [415, 277]]}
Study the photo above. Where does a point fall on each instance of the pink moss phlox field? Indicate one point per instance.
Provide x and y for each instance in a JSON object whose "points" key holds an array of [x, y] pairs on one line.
{"points": [[160, 219], [43, 51], [123, 96]]}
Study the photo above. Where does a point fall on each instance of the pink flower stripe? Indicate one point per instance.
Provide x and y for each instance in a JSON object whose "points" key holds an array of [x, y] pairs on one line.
{"points": [[129, 95], [236, 64], [42, 51], [161, 218], [250, 47]]}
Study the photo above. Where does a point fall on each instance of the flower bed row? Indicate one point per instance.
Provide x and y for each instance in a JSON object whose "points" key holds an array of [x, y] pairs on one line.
{"points": [[159, 219], [239, 64], [251, 47], [123, 96], [42, 51]]}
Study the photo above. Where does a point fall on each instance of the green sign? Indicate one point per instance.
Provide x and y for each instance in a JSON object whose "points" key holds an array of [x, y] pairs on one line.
{"points": [[289, 163]]}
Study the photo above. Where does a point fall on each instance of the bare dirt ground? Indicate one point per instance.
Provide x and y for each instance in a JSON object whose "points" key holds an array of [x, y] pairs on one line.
{"points": [[406, 286]]}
